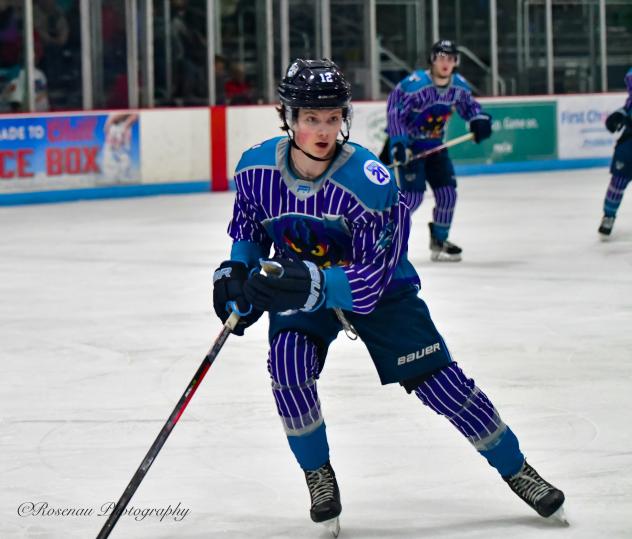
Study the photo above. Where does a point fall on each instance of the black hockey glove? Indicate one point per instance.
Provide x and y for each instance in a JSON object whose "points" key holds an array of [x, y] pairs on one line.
{"points": [[399, 155], [228, 295], [400, 158], [481, 126], [385, 154], [294, 285], [616, 121]]}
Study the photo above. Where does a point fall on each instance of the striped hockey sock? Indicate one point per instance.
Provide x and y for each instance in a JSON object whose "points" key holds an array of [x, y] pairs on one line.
{"points": [[614, 195], [293, 367], [443, 212], [452, 394]]}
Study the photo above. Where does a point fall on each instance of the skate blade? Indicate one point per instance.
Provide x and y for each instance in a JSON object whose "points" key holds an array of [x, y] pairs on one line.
{"points": [[332, 525], [560, 517], [444, 257]]}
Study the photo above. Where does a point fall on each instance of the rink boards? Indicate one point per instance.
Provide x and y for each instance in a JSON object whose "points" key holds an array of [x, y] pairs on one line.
{"points": [[70, 156]]}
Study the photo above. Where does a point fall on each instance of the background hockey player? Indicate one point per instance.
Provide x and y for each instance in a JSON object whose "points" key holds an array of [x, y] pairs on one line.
{"points": [[417, 111], [339, 227], [621, 166]]}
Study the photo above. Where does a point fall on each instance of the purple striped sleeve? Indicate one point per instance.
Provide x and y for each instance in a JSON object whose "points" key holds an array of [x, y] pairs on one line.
{"points": [[396, 111], [244, 225], [378, 237], [466, 105]]}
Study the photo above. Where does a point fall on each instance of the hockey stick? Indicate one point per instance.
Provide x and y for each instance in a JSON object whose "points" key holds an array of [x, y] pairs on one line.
{"points": [[426, 153], [160, 440]]}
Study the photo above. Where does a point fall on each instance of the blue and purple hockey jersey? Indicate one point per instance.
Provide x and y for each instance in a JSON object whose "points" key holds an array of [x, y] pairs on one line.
{"points": [[351, 221], [418, 110]]}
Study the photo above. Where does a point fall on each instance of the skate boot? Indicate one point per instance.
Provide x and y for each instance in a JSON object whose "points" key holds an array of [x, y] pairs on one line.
{"points": [[443, 251], [605, 228], [323, 490], [537, 493]]}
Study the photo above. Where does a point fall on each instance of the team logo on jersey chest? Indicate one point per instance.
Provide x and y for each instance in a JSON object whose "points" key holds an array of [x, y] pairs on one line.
{"points": [[325, 242], [376, 172]]}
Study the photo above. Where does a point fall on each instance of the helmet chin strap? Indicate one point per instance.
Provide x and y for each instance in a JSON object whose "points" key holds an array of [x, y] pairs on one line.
{"points": [[345, 138], [321, 159]]}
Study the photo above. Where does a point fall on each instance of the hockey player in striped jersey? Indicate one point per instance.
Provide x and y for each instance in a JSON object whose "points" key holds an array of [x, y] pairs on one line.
{"points": [[417, 112], [339, 227], [621, 166]]}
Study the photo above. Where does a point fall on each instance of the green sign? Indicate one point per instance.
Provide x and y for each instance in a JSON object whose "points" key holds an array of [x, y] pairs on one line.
{"points": [[521, 132]]}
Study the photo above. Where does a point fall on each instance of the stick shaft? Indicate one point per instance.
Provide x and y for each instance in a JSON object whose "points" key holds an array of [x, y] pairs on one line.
{"points": [[168, 427], [448, 144]]}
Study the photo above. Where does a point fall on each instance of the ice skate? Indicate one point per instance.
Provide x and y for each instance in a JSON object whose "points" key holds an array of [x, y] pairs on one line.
{"points": [[537, 493], [325, 496], [443, 251], [605, 228]]}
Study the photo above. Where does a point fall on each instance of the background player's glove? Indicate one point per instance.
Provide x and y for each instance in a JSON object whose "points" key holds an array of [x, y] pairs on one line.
{"points": [[295, 285], [399, 153], [228, 295], [400, 156], [481, 126], [615, 121]]}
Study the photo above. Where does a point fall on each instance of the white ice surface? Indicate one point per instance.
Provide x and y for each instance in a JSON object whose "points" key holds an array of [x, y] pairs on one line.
{"points": [[106, 315]]}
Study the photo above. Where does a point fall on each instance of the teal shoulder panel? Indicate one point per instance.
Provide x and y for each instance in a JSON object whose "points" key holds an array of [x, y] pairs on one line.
{"points": [[460, 82], [415, 81], [260, 155]]}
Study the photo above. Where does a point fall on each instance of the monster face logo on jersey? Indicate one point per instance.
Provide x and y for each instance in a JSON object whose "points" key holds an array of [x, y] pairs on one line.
{"points": [[325, 242], [431, 122]]}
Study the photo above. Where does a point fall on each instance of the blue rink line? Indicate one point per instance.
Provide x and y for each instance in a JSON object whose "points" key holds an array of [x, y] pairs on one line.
{"points": [[531, 166], [94, 193], [126, 191]]}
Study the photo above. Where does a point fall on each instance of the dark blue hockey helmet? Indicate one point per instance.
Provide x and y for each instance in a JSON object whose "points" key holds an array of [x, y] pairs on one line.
{"points": [[444, 46], [314, 84]]}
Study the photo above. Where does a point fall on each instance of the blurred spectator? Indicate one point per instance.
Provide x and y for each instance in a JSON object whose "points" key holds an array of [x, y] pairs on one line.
{"points": [[51, 27], [10, 35], [114, 55], [220, 80], [12, 74], [14, 93], [237, 89], [189, 56], [51, 24]]}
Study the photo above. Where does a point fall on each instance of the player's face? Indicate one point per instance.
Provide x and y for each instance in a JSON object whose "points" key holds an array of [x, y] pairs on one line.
{"points": [[444, 64], [316, 130]]}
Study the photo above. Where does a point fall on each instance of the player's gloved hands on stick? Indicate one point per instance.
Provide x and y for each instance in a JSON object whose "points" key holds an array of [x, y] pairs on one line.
{"points": [[481, 127], [228, 295], [615, 121], [291, 285]]}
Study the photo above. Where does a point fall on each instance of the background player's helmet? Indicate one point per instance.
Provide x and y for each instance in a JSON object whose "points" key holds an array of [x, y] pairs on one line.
{"points": [[444, 46], [314, 84]]}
